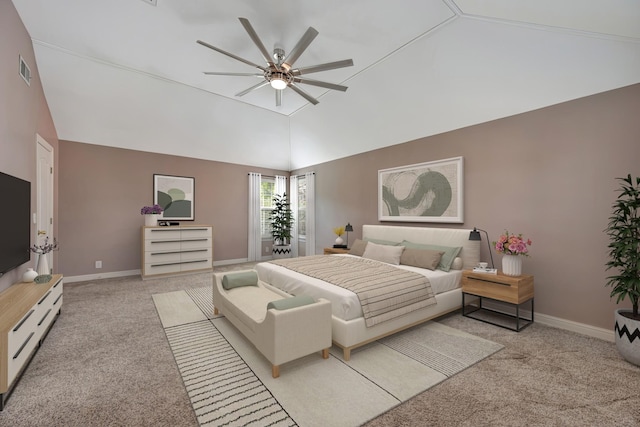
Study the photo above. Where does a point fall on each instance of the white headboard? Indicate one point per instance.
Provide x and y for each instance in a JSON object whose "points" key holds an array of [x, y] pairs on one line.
{"points": [[470, 252]]}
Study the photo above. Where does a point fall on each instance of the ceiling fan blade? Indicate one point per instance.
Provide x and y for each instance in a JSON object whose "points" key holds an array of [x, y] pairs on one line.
{"points": [[252, 88], [322, 67], [320, 84], [278, 98], [303, 94], [256, 40], [215, 73], [231, 55], [300, 47]]}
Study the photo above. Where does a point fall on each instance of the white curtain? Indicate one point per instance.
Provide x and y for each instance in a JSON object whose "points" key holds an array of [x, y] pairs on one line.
{"points": [[311, 213], [281, 185], [255, 236], [293, 198]]}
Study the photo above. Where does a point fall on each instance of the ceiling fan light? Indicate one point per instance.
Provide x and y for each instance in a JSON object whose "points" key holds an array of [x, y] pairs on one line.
{"points": [[278, 83]]}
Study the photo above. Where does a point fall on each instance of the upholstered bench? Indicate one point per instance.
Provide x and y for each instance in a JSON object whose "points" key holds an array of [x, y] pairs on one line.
{"points": [[282, 327]]}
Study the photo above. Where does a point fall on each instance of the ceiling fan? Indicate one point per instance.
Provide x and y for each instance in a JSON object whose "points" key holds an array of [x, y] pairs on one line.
{"points": [[279, 71]]}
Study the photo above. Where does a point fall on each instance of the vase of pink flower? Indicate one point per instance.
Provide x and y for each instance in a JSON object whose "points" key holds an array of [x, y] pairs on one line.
{"points": [[151, 215], [513, 247]]}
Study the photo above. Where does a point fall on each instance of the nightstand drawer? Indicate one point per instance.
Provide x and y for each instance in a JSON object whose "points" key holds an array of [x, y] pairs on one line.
{"points": [[511, 289]]}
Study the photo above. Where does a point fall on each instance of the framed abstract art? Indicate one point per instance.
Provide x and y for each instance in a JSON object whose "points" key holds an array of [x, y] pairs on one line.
{"points": [[176, 196], [424, 192]]}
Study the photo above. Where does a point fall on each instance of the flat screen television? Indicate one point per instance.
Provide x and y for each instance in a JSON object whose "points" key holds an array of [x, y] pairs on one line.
{"points": [[15, 222]]}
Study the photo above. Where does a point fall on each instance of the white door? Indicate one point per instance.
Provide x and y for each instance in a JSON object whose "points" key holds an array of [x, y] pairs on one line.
{"points": [[44, 202]]}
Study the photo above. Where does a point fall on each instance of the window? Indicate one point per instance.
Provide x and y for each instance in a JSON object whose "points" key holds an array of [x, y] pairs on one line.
{"points": [[267, 191]]}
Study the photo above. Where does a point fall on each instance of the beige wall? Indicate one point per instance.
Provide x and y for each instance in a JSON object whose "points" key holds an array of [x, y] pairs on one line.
{"points": [[104, 188], [548, 174], [23, 113]]}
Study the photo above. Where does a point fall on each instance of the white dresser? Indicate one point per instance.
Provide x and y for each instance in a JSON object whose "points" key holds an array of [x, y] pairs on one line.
{"points": [[176, 250], [27, 311]]}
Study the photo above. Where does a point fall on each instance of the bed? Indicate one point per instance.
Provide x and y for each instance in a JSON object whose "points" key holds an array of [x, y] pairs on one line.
{"points": [[349, 327]]}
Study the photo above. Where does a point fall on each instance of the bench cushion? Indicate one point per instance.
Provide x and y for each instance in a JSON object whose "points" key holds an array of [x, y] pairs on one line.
{"points": [[249, 303]]}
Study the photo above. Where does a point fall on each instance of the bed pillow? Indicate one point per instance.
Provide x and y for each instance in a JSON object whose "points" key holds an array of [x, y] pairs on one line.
{"points": [[236, 280], [382, 242], [450, 253], [384, 253], [287, 303], [357, 248], [457, 263], [423, 258]]}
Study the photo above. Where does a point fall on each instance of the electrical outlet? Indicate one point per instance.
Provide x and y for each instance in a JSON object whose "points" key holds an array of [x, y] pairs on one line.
{"points": [[98, 264]]}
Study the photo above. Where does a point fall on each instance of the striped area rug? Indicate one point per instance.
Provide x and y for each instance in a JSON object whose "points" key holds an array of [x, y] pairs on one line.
{"points": [[223, 390], [229, 383]]}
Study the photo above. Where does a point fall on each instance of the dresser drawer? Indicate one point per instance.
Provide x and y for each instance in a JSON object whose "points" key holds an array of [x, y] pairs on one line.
{"points": [[194, 254], [195, 265], [196, 232], [195, 243], [162, 245], [162, 257], [162, 233], [151, 269]]}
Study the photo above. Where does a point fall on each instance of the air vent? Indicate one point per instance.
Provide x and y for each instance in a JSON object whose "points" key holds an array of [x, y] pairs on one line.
{"points": [[25, 71], [151, 2]]}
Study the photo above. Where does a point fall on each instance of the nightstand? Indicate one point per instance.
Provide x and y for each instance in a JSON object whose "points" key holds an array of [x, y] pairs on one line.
{"points": [[331, 251], [512, 290]]}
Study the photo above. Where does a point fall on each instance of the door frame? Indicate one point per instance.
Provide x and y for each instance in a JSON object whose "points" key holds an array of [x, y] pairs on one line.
{"points": [[44, 192]]}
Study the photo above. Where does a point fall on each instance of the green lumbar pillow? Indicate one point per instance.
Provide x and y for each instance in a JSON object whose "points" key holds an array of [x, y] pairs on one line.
{"points": [[236, 280], [287, 303]]}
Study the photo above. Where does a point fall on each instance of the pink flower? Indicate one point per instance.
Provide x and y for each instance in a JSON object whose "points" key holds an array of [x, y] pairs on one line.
{"points": [[512, 244]]}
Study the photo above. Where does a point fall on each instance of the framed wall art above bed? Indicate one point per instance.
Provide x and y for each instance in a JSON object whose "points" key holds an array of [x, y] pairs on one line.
{"points": [[424, 192]]}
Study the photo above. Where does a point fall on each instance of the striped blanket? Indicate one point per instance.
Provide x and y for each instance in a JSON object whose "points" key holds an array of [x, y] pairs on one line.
{"points": [[385, 292]]}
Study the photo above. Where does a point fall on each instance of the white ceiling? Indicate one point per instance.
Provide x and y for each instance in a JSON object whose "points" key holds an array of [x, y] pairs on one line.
{"points": [[128, 74]]}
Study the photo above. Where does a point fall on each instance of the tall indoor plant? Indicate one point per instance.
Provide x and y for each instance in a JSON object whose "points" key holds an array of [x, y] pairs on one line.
{"points": [[281, 224], [624, 257]]}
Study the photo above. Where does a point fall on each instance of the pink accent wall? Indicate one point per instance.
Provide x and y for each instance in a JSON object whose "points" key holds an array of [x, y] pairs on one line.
{"points": [[549, 174], [104, 188], [23, 113]]}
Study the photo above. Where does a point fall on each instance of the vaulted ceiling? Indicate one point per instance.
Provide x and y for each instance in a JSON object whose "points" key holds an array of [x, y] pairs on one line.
{"points": [[129, 73]]}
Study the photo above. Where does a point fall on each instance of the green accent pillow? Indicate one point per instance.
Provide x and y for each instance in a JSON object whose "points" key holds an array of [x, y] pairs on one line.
{"points": [[287, 303], [382, 242], [236, 280], [450, 253]]}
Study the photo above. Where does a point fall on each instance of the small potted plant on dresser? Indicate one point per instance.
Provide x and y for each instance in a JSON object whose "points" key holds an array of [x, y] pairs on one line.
{"points": [[624, 258], [281, 223]]}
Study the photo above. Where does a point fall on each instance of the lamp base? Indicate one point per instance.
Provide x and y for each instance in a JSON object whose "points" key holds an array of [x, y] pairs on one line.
{"points": [[340, 246]]}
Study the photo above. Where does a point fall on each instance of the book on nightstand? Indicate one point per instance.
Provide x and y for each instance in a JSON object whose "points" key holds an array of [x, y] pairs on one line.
{"points": [[485, 270]]}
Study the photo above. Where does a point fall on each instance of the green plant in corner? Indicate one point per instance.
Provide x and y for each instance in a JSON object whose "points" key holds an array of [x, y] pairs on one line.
{"points": [[624, 247], [281, 219]]}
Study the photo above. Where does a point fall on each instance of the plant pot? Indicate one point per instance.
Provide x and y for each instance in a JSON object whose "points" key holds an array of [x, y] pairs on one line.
{"points": [[281, 251], [627, 332], [43, 265], [151, 220]]}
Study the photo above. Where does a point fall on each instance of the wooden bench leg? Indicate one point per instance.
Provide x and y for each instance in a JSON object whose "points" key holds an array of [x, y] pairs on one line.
{"points": [[325, 353], [346, 354], [275, 371]]}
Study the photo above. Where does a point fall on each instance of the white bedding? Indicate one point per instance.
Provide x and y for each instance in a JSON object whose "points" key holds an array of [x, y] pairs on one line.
{"points": [[345, 304]]}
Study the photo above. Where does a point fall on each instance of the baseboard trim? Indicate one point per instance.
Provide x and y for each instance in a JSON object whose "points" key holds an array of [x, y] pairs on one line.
{"points": [[109, 275], [580, 328]]}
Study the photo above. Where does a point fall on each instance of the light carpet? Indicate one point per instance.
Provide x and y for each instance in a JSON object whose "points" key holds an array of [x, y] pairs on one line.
{"points": [[229, 382]]}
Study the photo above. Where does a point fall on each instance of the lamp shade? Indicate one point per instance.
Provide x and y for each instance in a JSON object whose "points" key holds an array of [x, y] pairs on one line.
{"points": [[475, 235], [348, 227]]}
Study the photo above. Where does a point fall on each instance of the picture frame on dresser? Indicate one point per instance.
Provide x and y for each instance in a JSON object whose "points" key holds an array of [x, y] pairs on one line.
{"points": [[176, 196], [423, 192]]}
